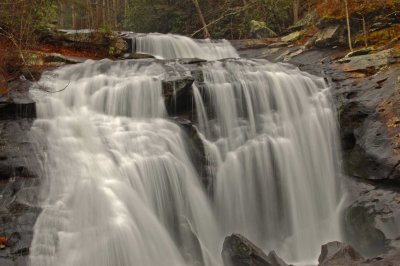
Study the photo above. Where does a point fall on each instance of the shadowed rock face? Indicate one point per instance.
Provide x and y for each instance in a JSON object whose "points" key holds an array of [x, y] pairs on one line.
{"points": [[239, 251], [19, 182], [178, 95]]}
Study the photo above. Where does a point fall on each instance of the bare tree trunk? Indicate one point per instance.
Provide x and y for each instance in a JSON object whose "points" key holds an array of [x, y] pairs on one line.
{"points": [[296, 6], [348, 24], [61, 21], [365, 32], [246, 12], [125, 8], [201, 17], [73, 17], [103, 8]]}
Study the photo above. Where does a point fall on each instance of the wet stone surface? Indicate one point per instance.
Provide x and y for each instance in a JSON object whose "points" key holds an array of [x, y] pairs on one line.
{"points": [[19, 182]]}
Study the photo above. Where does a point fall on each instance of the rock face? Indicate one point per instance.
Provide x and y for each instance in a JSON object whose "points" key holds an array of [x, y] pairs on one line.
{"points": [[17, 103], [337, 253], [371, 222], [330, 36], [19, 182], [19, 174], [260, 30], [239, 251], [197, 152], [294, 36], [178, 94]]}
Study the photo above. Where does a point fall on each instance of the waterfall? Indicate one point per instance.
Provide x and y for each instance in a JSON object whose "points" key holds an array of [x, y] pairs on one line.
{"points": [[119, 186], [171, 46], [275, 131]]}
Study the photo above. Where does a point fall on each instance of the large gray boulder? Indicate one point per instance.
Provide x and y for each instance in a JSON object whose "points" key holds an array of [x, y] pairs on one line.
{"points": [[330, 36], [337, 254], [239, 251], [371, 222], [259, 29]]}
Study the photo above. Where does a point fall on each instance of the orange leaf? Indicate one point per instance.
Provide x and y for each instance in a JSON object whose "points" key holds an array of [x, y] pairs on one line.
{"points": [[3, 240]]}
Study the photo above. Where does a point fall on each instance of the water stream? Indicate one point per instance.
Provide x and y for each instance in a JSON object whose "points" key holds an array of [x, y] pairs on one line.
{"points": [[119, 186]]}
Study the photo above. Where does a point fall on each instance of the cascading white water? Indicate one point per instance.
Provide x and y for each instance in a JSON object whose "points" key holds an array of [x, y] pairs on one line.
{"points": [[171, 46], [273, 132], [120, 188]]}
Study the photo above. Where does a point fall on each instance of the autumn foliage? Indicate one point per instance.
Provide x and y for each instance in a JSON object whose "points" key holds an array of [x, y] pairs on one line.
{"points": [[335, 8]]}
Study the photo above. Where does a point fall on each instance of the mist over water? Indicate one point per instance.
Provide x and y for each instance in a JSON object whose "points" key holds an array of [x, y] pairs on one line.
{"points": [[119, 187]]}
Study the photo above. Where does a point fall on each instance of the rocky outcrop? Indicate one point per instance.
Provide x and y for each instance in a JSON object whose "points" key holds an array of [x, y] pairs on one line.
{"points": [[17, 103], [197, 152], [332, 35], [107, 43], [341, 254], [178, 94], [371, 221], [294, 36], [19, 173], [19, 182], [259, 29], [337, 253], [239, 251]]}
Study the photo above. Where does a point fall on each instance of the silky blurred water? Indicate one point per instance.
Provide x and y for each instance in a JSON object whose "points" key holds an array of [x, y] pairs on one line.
{"points": [[171, 46], [119, 188]]}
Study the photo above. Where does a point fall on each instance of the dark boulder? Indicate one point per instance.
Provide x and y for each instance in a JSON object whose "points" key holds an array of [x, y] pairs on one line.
{"points": [[333, 35], [18, 103], [239, 251], [197, 152], [178, 95], [336, 254]]}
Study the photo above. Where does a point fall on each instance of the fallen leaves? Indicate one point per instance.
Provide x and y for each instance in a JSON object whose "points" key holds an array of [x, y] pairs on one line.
{"points": [[3, 242]]}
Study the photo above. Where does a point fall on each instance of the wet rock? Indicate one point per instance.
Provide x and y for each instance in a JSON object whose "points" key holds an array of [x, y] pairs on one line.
{"points": [[239, 251], [278, 45], [260, 30], [330, 36], [294, 36], [13, 239], [18, 103], [177, 93], [59, 58], [275, 260], [371, 221], [18, 189], [6, 262], [362, 51], [369, 61], [391, 259], [250, 44], [137, 56], [337, 253], [197, 152]]}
